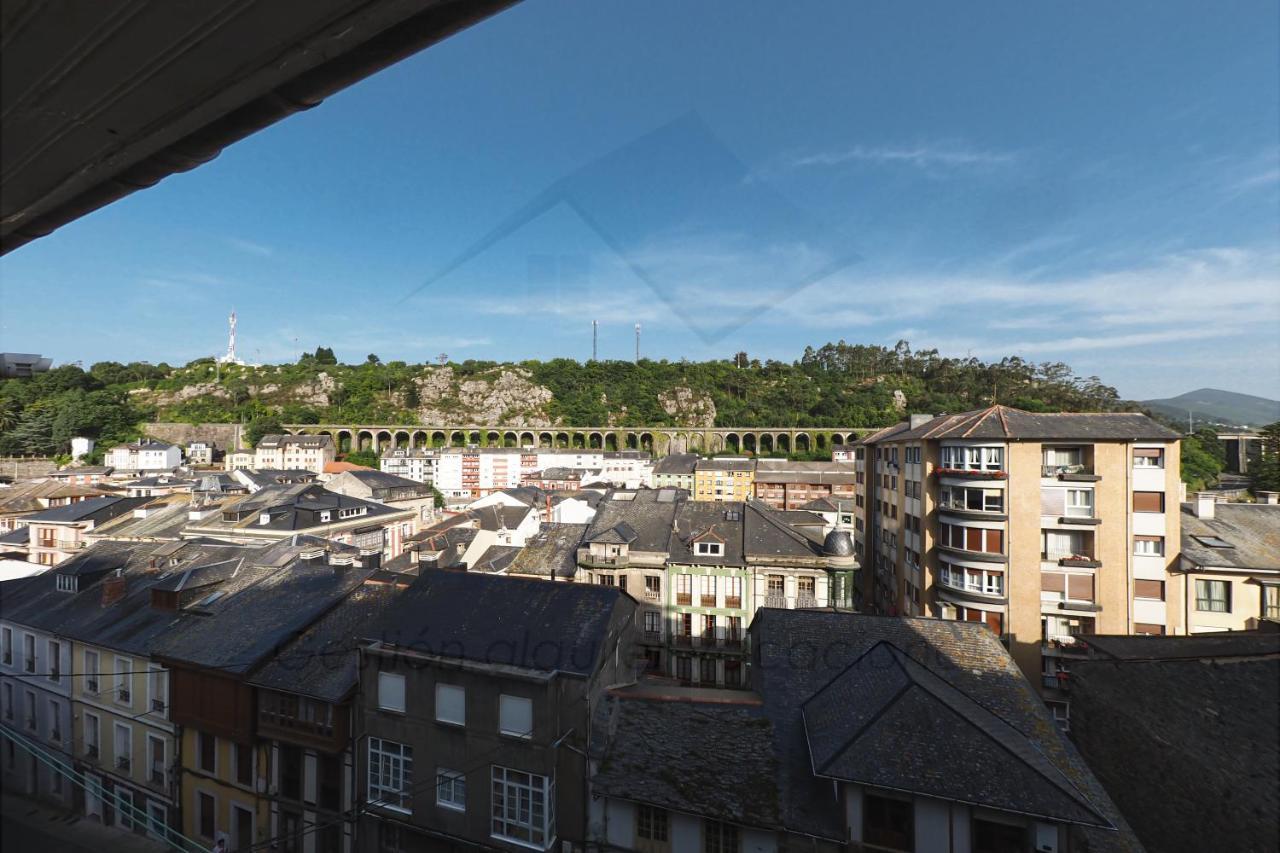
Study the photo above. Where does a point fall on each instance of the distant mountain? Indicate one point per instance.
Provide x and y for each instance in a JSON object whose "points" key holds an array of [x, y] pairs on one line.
{"points": [[1223, 407]]}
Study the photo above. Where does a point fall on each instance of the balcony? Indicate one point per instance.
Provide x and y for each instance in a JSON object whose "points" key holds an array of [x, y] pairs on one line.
{"points": [[157, 777], [653, 595], [1073, 561], [775, 599], [1069, 473], [733, 601], [684, 599], [708, 642], [91, 752], [733, 643], [707, 600], [123, 762], [971, 473], [684, 640], [158, 706], [123, 695], [654, 637], [806, 600], [601, 561]]}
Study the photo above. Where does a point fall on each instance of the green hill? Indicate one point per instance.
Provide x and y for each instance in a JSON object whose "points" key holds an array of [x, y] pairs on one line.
{"points": [[1211, 405]]}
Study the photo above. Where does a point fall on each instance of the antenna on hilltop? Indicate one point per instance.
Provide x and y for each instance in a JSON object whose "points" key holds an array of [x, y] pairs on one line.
{"points": [[443, 358], [637, 343], [595, 337]]}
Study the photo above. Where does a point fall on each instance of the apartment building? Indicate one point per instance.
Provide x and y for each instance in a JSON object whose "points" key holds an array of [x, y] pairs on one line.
{"points": [[1040, 526], [784, 484], [21, 500], [417, 463], [675, 471], [467, 473], [475, 734], [725, 478], [200, 453], [389, 489], [229, 624], [1229, 568], [145, 454], [287, 452], [54, 535]]}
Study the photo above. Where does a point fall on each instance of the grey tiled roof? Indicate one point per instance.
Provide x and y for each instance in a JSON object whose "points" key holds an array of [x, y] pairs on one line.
{"points": [[1188, 749], [711, 759], [647, 515], [721, 521], [871, 725], [91, 509], [1253, 531], [797, 653], [496, 558], [676, 463], [551, 552], [503, 620], [1003, 422]]}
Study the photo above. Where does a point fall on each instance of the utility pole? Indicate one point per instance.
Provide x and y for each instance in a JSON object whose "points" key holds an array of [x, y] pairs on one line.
{"points": [[595, 337], [637, 343]]}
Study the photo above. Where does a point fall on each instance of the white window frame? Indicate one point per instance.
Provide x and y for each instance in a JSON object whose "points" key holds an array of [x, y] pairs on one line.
{"points": [[124, 682], [518, 706], [152, 740], [55, 722], [1074, 506], [390, 775], [451, 789], [448, 690], [517, 797], [157, 824], [116, 752], [1156, 549], [6, 646], [158, 683], [28, 660], [93, 724], [124, 816], [92, 671], [389, 685]]}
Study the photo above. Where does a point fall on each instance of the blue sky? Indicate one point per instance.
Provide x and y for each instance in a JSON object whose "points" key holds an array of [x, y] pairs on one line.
{"points": [[1096, 183]]}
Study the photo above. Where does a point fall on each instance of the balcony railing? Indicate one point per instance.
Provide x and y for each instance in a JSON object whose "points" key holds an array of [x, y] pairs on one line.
{"points": [[708, 641], [775, 599], [123, 762], [652, 595], [733, 601], [1085, 561], [91, 751], [157, 776], [707, 600], [651, 637], [1079, 473], [158, 705], [684, 598], [684, 640], [605, 562], [806, 599], [733, 642]]}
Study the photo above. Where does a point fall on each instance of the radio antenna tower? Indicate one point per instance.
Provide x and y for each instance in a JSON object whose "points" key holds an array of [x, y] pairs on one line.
{"points": [[595, 337], [230, 357], [637, 343]]}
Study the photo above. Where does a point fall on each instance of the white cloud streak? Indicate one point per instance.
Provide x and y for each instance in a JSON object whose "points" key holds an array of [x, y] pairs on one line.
{"points": [[928, 156]]}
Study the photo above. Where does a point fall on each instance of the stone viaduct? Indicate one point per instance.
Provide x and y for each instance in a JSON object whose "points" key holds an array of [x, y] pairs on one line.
{"points": [[657, 440]]}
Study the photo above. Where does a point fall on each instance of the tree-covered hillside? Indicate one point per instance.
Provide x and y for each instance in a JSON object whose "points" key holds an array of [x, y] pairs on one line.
{"points": [[836, 385]]}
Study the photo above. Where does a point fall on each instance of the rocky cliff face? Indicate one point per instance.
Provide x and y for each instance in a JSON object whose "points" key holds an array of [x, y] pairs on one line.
{"points": [[507, 398], [687, 407]]}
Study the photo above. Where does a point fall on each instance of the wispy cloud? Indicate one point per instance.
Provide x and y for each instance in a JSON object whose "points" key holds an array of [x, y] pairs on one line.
{"points": [[924, 156], [250, 248], [1264, 178]]}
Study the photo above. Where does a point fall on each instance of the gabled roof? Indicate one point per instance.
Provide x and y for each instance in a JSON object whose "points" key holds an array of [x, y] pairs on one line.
{"points": [[620, 534], [646, 512], [91, 509], [770, 533], [551, 552], [888, 722], [489, 620], [676, 464], [695, 519]]}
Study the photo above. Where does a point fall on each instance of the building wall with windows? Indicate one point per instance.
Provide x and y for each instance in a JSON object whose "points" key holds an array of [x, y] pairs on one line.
{"points": [[221, 785], [35, 700]]}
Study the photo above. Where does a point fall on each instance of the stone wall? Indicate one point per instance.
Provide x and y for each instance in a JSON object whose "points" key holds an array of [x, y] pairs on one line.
{"points": [[224, 436], [18, 468]]}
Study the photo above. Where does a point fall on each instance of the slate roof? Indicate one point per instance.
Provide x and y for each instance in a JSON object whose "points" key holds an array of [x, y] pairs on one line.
{"points": [[165, 519], [731, 778], [645, 513], [265, 608], [1005, 423], [1215, 646], [380, 480], [723, 464], [495, 559], [551, 552], [562, 473], [721, 520], [676, 464], [322, 661], [272, 442], [96, 510], [1188, 749], [866, 726], [798, 653], [1253, 530], [291, 507], [276, 476], [503, 620], [769, 535], [821, 473]]}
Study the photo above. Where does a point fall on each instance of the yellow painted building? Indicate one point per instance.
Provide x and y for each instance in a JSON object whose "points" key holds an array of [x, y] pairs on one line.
{"points": [[724, 479]]}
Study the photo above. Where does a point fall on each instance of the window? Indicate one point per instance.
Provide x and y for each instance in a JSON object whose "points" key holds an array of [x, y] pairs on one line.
{"points": [[451, 789], [391, 692], [55, 723], [205, 807], [523, 808], [710, 549], [28, 653], [66, 583], [605, 580], [390, 773], [684, 668], [992, 837], [515, 716], [123, 747], [652, 585], [973, 458], [8, 701], [207, 752], [124, 677], [707, 670], [91, 671], [1148, 546], [652, 622], [31, 710], [54, 649], [91, 735], [158, 685], [719, 837], [733, 673], [1271, 602], [6, 645], [1148, 501], [651, 823], [1148, 589], [242, 755], [157, 771], [888, 822], [1213, 596], [290, 771], [1080, 503], [1148, 457], [451, 704], [733, 592]]}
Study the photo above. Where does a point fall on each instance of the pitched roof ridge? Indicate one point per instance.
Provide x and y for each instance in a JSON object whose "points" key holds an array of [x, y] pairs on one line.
{"points": [[752, 503]]}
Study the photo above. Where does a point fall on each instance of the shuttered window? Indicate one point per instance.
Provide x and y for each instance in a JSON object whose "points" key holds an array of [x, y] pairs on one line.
{"points": [[1053, 502], [1148, 589], [1148, 501], [1147, 628], [1053, 582], [1080, 587]]}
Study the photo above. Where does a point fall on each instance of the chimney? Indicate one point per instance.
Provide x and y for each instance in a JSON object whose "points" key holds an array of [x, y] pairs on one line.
{"points": [[1205, 502], [113, 589], [1272, 498], [919, 420]]}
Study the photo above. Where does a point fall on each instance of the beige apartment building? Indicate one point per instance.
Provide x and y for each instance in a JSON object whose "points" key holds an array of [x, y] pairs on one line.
{"points": [[726, 478], [1041, 526], [294, 452]]}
